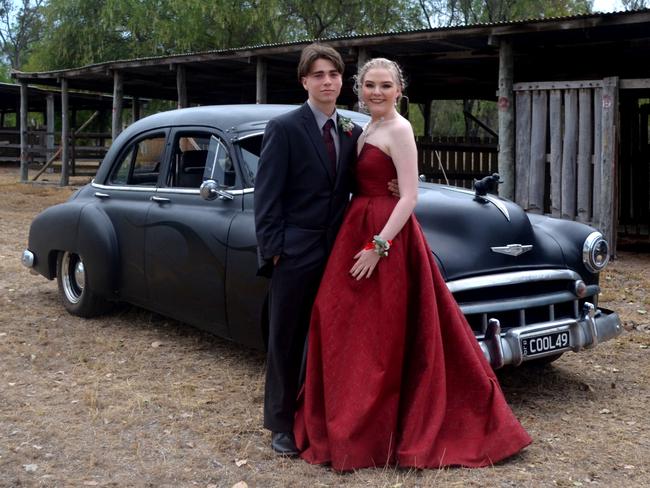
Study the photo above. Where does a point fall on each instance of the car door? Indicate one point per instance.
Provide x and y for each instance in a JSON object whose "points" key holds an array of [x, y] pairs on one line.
{"points": [[125, 196], [186, 235]]}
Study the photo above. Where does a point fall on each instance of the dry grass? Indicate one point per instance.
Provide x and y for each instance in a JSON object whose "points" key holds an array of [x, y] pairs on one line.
{"points": [[136, 399]]}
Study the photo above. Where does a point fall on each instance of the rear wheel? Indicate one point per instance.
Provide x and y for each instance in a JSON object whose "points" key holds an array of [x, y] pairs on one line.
{"points": [[74, 289]]}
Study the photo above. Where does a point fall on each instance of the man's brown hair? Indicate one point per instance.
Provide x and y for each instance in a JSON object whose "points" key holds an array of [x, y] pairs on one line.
{"points": [[318, 51]]}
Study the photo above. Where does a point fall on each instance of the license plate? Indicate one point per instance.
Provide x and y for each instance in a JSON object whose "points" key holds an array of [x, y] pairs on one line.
{"points": [[532, 346]]}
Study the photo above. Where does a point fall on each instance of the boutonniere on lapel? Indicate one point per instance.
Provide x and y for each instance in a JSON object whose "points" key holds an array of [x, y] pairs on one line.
{"points": [[346, 124]]}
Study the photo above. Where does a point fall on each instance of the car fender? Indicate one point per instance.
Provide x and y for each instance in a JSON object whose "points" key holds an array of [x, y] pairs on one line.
{"points": [[98, 246], [81, 228]]}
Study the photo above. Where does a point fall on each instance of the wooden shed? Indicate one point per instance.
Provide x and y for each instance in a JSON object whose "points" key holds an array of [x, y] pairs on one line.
{"points": [[573, 96]]}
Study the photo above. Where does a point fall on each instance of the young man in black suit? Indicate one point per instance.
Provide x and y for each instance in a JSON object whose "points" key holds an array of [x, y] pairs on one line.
{"points": [[301, 191]]}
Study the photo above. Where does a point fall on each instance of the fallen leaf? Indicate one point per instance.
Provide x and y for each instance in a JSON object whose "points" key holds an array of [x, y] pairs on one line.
{"points": [[642, 312], [240, 484], [90, 483], [30, 468], [629, 466], [605, 411], [241, 462], [156, 344]]}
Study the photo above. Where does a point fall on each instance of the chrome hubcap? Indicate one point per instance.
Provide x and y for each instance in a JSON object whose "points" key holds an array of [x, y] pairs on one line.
{"points": [[73, 277]]}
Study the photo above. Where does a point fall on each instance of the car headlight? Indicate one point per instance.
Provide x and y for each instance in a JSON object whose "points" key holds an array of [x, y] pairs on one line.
{"points": [[595, 252]]}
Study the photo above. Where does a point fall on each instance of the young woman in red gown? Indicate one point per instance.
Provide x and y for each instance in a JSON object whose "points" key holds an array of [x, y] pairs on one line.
{"points": [[394, 374]]}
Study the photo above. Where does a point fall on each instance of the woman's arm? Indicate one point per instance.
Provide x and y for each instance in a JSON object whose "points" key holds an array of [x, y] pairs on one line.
{"points": [[403, 151]]}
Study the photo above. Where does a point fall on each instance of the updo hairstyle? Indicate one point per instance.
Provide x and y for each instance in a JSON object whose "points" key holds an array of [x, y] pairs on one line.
{"points": [[381, 63]]}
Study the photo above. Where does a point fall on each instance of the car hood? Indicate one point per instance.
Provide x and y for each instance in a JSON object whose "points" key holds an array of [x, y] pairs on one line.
{"points": [[462, 231]]}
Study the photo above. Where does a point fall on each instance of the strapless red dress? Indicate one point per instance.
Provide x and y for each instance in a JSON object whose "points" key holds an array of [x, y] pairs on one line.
{"points": [[394, 374]]}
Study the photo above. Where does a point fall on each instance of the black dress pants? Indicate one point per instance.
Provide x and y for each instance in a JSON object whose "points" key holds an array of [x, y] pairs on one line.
{"points": [[294, 286]]}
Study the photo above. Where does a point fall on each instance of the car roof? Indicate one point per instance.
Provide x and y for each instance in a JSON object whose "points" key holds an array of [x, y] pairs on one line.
{"points": [[228, 118]]}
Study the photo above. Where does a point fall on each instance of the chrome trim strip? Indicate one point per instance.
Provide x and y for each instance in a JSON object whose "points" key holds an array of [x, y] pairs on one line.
{"points": [[247, 136], [122, 188], [512, 278], [186, 191]]}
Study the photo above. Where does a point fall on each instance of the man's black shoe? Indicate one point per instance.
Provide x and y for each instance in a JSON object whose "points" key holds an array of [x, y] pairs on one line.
{"points": [[283, 443]]}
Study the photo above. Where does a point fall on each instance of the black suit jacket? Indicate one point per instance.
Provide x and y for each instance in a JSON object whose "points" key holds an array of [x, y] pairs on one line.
{"points": [[299, 201]]}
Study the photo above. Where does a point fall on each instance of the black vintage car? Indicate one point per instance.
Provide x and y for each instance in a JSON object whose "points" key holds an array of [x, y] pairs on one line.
{"points": [[167, 224]]}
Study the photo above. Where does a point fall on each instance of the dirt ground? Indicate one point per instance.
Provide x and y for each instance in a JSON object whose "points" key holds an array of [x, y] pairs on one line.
{"points": [[134, 399]]}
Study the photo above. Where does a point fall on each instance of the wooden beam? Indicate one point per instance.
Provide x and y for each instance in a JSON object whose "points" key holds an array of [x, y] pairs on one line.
{"points": [[523, 101], [426, 113], [557, 85], [585, 143], [538, 152], [260, 81], [362, 57], [65, 133], [181, 85], [118, 99], [135, 109], [49, 124], [506, 163], [598, 108], [555, 125], [569, 153], [608, 194], [24, 126]]}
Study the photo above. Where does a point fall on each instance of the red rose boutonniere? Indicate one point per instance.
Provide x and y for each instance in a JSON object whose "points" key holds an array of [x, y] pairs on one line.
{"points": [[346, 125]]}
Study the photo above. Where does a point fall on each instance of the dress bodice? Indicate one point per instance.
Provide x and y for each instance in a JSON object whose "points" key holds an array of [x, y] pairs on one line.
{"points": [[374, 169]]}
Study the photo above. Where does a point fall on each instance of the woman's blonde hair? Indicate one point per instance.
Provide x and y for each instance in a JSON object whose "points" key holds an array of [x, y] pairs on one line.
{"points": [[382, 63]]}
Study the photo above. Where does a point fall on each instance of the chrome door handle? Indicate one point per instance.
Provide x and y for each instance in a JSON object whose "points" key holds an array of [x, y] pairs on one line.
{"points": [[160, 199], [102, 195]]}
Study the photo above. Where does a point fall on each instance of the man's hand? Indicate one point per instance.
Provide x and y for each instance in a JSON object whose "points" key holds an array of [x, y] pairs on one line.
{"points": [[393, 187], [275, 260]]}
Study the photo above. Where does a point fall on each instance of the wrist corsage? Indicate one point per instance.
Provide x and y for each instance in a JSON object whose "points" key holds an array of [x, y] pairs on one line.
{"points": [[346, 124], [379, 245]]}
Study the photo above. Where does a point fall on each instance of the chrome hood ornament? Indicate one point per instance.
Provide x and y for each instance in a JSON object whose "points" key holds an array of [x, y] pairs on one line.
{"points": [[512, 249]]}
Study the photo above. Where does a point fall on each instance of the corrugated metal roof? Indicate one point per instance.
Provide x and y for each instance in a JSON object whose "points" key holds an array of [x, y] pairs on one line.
{"points": [[254, 47]]}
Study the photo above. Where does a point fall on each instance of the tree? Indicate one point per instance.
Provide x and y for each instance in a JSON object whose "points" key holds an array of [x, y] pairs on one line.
{"points": [[20, 27]]}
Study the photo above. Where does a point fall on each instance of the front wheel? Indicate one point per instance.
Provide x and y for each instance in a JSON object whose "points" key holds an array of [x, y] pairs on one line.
{"points": [[74, 289]]}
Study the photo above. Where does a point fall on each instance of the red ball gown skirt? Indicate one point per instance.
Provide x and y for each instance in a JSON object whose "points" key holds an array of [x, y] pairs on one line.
{"points": [[394, 373]]}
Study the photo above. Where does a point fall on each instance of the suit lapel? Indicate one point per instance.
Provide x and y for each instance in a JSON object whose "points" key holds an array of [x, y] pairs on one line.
{"points": [[316, 137]]}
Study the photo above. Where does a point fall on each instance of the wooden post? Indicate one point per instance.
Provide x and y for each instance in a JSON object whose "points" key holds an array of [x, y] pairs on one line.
{"points": [[135, 109], [118, 97], [49, 126], [24, 126], [569, 153], [555, 122], [362, 57], [585, 172], [598, 108], [538, 152], [426, 113], [65, 133], [523, 106], [260, 82], [181, 85], [506, 119], [608, 190]]}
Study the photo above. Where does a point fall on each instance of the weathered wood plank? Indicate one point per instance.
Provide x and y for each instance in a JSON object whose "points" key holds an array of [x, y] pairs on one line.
{"points": [[538, 152], [24, 169], [555, 128], [569, 154], [609, 125], [506, 120], [598, 166], [65, 134], [557, 85], [523, 100], [585, 145], [260, 81], [49, 120], [118, 95], [639, 83], [181, 86]]}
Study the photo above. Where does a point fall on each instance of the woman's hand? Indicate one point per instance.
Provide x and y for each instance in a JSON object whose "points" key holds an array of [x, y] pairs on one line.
{"points": [[367, 259]]}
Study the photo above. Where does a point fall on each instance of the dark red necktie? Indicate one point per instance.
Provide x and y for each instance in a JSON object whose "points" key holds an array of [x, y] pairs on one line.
{"points": [[329, 142]]}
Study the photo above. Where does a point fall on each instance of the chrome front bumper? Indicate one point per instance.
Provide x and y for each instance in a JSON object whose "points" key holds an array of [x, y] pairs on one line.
{"points": [[592, 327]]}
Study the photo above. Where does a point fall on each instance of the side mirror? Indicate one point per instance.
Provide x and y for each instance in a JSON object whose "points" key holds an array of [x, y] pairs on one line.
{"points": [[210, 190]]}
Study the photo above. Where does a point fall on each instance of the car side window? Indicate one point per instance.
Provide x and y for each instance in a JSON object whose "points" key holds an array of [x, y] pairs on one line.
{"points": [[251, 147], [139, 165], [200, 156]]}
